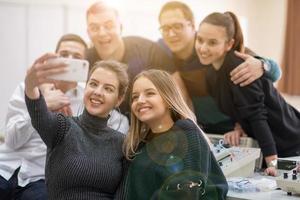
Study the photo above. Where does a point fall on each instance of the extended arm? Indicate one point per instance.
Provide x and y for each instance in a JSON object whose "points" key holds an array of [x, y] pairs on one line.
{"points": [[253, 68], [249, 102], [233, 137], [50, 126]]}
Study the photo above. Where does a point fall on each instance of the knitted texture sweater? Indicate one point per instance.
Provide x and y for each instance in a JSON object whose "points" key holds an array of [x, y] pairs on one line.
{"points": [[167, 163], [84, 156]]}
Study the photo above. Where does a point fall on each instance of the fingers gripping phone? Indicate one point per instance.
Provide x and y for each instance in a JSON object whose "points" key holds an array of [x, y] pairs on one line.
{"points": [[77, 70]]}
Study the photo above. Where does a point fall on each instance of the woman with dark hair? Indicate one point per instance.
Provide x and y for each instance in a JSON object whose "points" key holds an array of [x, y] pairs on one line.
{"points": [[259, 108]]}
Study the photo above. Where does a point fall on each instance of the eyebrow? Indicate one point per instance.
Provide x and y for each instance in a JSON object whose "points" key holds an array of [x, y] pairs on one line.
{"points": [[199, 37], [148, 89], [96, 24], [107, 84]]}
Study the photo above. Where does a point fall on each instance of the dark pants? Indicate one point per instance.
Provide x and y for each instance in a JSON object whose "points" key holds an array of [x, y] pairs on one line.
{"points": [[9, 189]]}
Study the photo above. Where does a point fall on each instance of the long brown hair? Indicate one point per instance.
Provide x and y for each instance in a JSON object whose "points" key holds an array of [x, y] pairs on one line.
{"points": [[170, 93], [230, 22]]}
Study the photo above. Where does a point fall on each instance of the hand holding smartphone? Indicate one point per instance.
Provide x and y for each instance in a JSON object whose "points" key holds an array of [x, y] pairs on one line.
{"points": [[77, 70]]}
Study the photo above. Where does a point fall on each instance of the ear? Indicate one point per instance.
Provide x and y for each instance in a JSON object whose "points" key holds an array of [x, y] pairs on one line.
{"points": [[193, 26], [88, 32], [119, 101], [230, 44]]}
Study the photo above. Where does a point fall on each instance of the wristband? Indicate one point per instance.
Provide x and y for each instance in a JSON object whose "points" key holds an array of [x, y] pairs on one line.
{"points": [[265, 66]]}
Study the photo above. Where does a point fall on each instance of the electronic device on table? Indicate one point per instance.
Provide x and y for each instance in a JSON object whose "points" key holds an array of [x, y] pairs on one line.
{"points": [[287, 164], [235, 161], [244, 141], [289, 179]]}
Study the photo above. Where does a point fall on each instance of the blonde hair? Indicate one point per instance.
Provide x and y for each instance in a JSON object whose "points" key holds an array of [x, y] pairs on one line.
{"points": [[170, 93], [185, 9], [101, 6]]}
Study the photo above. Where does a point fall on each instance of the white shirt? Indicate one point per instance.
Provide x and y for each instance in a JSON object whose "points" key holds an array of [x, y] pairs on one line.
{"points": [[23, 146]]}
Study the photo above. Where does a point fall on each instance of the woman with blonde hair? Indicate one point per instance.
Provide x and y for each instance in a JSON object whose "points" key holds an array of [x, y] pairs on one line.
{"points": [[170, 155]]}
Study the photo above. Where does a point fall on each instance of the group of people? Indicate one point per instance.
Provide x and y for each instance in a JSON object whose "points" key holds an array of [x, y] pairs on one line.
{"points": [[64, 140]]}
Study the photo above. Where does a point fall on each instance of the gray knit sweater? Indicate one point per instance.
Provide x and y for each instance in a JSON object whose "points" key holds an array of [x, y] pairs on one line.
{"points": [[84, 157]]}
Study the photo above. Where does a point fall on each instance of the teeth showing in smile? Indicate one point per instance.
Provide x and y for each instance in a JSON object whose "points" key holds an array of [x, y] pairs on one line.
{"points": [[204, 56], [144, 109], [104, 42], [96, 101]]}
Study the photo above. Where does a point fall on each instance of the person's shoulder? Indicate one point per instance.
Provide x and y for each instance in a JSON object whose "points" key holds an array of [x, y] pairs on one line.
{"points": [[185, 124], [116, 134], [192, 132], [137, 40], [232, 61], [18, 93], [20, 87], [90, 50], [91, 53], [140, 42], [162, 44]]}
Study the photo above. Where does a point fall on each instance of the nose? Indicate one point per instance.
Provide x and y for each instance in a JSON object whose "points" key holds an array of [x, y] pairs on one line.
{"points": [[171, 33], [101, 30], [141, 99], [203, 47], [98, 91]]}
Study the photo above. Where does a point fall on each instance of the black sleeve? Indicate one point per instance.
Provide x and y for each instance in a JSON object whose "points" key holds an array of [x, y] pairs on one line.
{"points": [[249, 102], [250, 52], [51, 126]]}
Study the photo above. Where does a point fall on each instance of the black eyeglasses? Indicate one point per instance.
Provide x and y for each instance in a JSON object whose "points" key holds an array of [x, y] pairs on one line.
{"points": [[176, 28]]}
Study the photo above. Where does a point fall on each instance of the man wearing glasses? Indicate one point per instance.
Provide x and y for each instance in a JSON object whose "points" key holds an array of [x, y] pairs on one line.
{"points": [[104, 29], [178, 32]]}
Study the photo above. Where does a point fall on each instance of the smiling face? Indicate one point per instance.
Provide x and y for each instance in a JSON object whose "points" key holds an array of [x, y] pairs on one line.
{"points": [[102, 92], [71, 49], [177, 32], [148, 105], [104, 30], [212, 44]]}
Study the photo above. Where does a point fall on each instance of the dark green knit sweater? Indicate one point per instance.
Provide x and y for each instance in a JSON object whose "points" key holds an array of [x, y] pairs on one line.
{"points": [[167, 162], [84, 158]]}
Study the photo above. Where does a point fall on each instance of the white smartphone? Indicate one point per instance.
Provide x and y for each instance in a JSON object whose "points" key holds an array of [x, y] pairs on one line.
{"points": [[77, 70]]}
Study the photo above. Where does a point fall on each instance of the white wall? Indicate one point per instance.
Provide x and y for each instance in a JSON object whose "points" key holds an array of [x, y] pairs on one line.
{"points": [[30, 28]]}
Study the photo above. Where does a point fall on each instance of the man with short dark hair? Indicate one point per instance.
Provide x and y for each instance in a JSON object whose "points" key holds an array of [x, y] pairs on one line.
{"points": [[23, 153], [178, 32]]}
